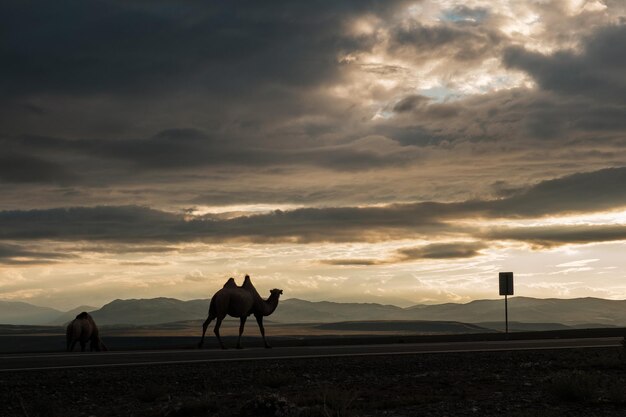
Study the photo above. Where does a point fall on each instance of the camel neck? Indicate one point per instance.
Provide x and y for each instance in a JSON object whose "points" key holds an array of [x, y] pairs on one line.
{"points": [[269, 305]]}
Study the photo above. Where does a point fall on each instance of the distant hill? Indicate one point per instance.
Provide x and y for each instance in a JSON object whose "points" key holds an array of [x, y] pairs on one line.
{"points": [[570, 312], [16, 312], [150, 311], [544, 314], [70, 315], [300, 311]]}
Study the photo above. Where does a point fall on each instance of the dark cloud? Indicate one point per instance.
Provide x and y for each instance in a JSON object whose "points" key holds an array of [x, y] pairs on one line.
{"points": [[173, 149], [140, 224], [11, 254], [450, 250], [549, 236], [18, 168], [442, 251], [120, 248], [593, 191], [96, 223], [461, 39], [73, 47], [409, 103], [597, 72], [577, 193], [167, 105]]}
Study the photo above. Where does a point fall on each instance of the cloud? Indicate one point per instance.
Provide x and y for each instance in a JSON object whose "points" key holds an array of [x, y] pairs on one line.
{"points": [[196, 276], [597, 72], [141, 224], [433, 251], [141, 263], [11, 254], [18, 168], [176, 149], [125, 48], [558, 235], [590, 191], [426, 103], [594, 191], [353, 262], [462, 40], [409, 103], [450, 250]]}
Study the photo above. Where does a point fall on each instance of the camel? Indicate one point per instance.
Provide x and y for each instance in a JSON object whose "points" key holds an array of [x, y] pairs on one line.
{"points": [[239, 302], [83, 329]]}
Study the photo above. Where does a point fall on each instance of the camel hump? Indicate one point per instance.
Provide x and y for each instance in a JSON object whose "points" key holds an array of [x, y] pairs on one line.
{"points": [[247, 282], [230, 283], [78, 327], [248, 286], [83, 315]]}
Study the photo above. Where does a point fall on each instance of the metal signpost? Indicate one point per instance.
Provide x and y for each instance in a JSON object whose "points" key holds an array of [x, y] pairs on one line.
{"points": [[506, 289]]}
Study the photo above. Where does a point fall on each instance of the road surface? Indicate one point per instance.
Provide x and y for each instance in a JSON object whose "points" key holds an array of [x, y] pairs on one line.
{"points": [[41, 361]]}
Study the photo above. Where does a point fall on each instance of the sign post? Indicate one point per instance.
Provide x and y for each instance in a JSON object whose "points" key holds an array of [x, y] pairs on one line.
{"points": [[506, 289]]}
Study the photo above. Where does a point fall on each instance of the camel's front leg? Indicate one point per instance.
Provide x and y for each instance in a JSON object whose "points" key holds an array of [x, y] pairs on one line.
{"points": [[242, 322], [205, 325], [216, 330], [259, 320]]}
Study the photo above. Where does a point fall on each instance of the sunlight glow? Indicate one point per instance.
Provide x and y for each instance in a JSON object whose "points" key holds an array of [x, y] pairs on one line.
{"points": [[617, 217]]}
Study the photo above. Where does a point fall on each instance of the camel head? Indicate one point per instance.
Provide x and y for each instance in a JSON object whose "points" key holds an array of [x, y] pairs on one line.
{"points": [[276, 292]]}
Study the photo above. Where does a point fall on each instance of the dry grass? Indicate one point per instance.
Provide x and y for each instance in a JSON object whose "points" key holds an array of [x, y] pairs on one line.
{"points": [[575, 386]]}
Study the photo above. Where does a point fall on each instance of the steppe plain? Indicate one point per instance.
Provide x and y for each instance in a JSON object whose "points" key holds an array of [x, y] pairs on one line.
{"points": [[572, 382]]}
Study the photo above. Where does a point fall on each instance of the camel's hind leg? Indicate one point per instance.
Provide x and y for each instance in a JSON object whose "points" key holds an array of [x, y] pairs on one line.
{"points": [[205, 325], [216, 330], [242, 322], [95, 344], [70, 347], [259, 320]]}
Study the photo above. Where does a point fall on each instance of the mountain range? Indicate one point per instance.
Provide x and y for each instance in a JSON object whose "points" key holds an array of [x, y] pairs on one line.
{"points": [[578, 312]]}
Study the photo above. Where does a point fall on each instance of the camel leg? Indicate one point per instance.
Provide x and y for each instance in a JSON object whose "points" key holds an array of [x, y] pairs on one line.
{"points": [[259, 320], [95, 344], [71, 345], [242, 322], [205, 325], [82, 346], [216, 330]]}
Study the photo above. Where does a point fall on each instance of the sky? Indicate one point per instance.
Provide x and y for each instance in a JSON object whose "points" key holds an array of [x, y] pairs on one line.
{"points": [[388, 151]]}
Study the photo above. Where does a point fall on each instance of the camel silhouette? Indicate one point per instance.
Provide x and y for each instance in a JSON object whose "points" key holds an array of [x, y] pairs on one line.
{"points": [[83, 329], [239, 302]]}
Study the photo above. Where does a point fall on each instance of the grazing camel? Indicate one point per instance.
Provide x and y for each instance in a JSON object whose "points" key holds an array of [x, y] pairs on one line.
{"points": [[239, 302], [83, 329]]}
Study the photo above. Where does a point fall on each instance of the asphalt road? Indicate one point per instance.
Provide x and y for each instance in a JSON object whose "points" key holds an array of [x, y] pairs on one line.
{"points": [[39, 361]]}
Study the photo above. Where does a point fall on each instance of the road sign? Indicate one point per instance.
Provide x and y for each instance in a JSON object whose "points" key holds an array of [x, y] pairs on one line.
{"points": [[506, 289], [506, 283]]}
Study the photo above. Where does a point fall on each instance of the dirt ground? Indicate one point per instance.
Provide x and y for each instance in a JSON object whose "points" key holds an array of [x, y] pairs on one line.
{"points": [[581, 382]]}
